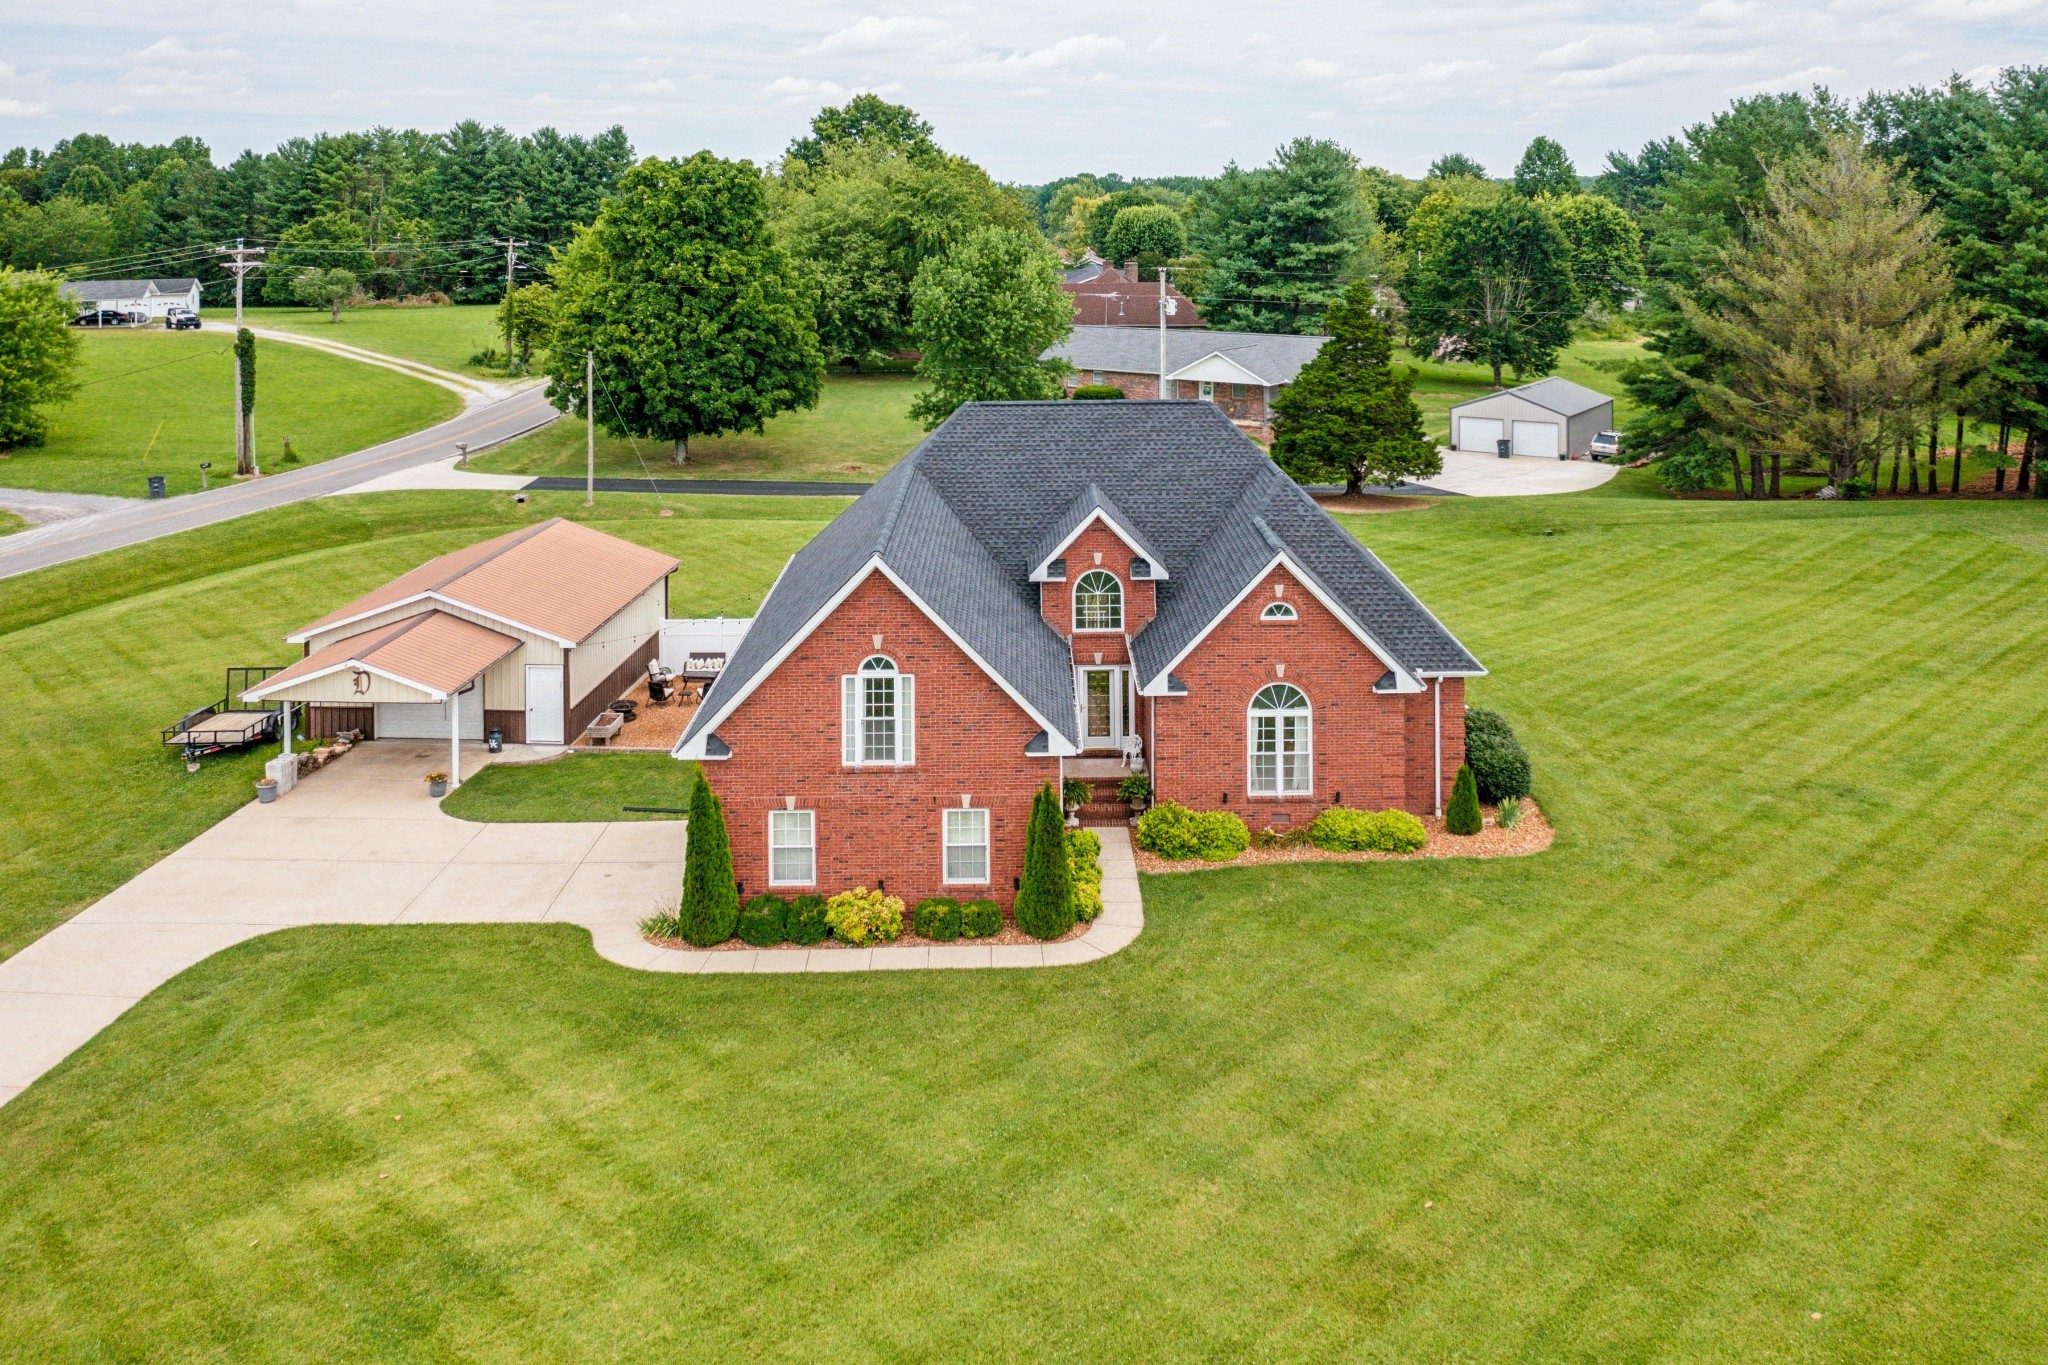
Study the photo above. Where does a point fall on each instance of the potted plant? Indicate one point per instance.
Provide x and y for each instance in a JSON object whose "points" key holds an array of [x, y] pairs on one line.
{"points": [[437, 785], [266, 789], [1137, 790]]}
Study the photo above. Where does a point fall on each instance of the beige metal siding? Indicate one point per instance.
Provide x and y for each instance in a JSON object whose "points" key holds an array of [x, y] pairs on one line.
{"points": [[504, 681], [612, 643]]}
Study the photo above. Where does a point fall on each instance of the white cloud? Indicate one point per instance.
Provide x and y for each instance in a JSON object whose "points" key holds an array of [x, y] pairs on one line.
{"points": [[1081, 49], [797, 89], [1322, 116], [1652, 66], [1804, 79], [23, 108], [1453, 76], [1321, 68], [660, 85], [1035, 92], [908, 34], [171, 48], [1216, 123]]}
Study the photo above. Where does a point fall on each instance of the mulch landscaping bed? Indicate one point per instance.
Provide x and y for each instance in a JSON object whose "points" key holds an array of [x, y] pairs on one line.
{"points": [[1009, 934], [1373, 502], [1531, 834]]}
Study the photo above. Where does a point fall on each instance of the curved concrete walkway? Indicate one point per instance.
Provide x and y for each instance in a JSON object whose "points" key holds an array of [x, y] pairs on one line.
{"points": [[361, 842]]}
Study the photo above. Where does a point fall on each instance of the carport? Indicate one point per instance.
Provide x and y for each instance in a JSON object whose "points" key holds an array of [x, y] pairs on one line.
{"points": [[1549, 418]]}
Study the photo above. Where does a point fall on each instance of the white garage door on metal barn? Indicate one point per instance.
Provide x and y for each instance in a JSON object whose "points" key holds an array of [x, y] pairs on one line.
{"points": [[429, 719], [1479, 434], [1537, 438]]}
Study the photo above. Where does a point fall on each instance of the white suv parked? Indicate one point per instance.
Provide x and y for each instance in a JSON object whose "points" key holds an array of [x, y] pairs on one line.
{"points": [[1606, 446]]}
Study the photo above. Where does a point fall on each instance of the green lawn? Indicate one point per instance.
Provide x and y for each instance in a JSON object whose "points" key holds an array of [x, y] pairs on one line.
{"points": [[442, 337], [577, 786], [10, 523], [1748, 1067], [160, 402], [860, 427], [1593, 363]]}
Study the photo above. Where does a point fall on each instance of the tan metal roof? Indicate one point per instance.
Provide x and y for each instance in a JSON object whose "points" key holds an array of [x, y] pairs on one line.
{"points": [[557, 578], [431, 651]]}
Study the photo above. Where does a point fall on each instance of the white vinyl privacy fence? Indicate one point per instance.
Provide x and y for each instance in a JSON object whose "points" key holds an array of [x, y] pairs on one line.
{"points": [[698, 646]]}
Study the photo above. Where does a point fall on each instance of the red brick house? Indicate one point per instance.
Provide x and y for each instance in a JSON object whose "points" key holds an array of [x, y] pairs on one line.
{"points": [[1105, 296], [1240, 372], [1045, 590]]}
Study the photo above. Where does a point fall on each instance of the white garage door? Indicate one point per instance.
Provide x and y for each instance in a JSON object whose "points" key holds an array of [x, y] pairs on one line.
{"points": [[429, 720], [1536, 438], [1479, 433]]}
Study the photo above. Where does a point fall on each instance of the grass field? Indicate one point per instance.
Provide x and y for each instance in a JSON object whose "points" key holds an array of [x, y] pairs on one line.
{"points": [[159, 402], [1748, 1067], [860, 427], [575, 787], [442, 337], [10, 523]]}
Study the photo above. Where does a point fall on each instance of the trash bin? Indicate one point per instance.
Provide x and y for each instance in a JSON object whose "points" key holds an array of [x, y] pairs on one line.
{"points": [[156, 485], [1504, 447], [494, 740]]}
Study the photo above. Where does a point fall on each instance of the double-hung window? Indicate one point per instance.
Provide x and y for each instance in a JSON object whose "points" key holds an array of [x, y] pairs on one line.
{"points": [[966, 834], [1281, 756], [878, 715], [1098, 602], [792, 847]]}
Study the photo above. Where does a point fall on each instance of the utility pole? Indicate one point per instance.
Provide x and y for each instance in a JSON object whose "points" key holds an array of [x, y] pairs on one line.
{"points": [[1162, 331], [590, 428], [511, 245], [239, 263]]}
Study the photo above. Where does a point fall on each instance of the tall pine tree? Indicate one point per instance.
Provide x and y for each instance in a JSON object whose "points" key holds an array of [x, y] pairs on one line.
{"points": [[1350, 415]]}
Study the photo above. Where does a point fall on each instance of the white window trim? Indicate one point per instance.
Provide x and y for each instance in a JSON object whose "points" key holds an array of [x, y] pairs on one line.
{"points": [[1279, 611], [987, 846], [1207, 389], [811, 880], [852, 721], [1075, 605], [1308, 748]]}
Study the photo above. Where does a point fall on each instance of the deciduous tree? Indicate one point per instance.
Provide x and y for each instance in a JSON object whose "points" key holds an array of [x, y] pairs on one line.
{"points": [[1500, 278], [332, 289], [866, 120], [982, 316], [38, 355], [1606, 248], [1150, 234], [1350, 414], [527, 317], [1546, 168]]}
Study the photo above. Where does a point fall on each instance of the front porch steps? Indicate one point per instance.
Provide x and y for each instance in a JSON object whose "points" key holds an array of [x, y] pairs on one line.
{"points": [[1103, 806]]}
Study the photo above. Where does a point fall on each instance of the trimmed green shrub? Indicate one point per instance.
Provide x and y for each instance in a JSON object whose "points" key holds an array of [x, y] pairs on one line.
{"points": [[1499, 762], [1045, 898], [979, 919], [1171, 830], [937, 917], [861, 916], [805, 921], [1084, 872], [710, 909], [1510, 811], [1388, 831], [1098, 391], [1462, 815], [762, 921]]}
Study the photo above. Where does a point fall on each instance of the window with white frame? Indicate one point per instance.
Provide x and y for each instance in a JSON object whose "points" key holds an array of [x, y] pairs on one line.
{"points": [[1208, 391], [1098, 602], [1278, 611], [878, 722], [1279, 738], [792, 847], [966, 845]]}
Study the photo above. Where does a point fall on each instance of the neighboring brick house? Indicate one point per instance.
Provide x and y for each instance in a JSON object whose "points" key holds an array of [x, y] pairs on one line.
{"points": [[1240, 372], [1032, 587], [1107, 297]]}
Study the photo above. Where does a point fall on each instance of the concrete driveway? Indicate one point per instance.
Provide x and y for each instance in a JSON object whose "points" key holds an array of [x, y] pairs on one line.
{"points": [[1489, 476], [359, 842]]}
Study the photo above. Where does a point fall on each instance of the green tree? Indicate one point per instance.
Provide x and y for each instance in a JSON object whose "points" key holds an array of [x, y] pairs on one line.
{"points": [[710, 907], [329, 241], [689, 305], [1462, 815], [1283, 242], [1840, 315], [333, 289], [1045, 893], [1500, 279], [1546, 168], [1350, 415], [1606, 248], [527, 318], [864, 121], [1632, 181], [38, 355], [1150, 234], [245, 401], [1453, 165], [1102, 215], [983, 315], [55, 233]]}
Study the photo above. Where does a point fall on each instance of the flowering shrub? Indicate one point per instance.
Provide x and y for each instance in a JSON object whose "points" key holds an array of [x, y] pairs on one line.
{"points": [[861, 916]]}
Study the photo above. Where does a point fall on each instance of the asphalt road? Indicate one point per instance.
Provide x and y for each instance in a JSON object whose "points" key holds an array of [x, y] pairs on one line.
{"points": [[484, 425]]}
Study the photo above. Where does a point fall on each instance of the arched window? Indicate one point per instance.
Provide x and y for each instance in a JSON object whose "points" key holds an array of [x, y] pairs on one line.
{"points": [[877, 713], [1278, 736], [1278, 611], [1098, 602]]}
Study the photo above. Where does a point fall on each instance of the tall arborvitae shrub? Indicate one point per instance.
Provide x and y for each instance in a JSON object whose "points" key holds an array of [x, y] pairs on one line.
{"points": [[1045, 900], [1462, 815], [711, 903]]}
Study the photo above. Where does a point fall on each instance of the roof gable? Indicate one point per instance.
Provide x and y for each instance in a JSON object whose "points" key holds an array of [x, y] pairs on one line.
{"points": [[1091, 506]]}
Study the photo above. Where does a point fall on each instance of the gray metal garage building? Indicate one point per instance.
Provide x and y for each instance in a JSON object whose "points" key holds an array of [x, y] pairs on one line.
{"points": [[1549, 417]]}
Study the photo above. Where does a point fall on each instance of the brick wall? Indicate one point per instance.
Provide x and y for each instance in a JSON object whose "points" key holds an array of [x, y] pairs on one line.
{"points": [[1374, 750], [879, 825], [1141, 596]]}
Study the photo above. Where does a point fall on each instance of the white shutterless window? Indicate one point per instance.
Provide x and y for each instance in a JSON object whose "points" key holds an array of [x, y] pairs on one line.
{"points": [[792, 847], [966, 837], [877, 715], [1278, 736]]}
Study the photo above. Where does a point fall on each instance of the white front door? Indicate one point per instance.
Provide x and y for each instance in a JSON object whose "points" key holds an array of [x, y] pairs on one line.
{"points": [[1102, 708], [544, 704], [429, 719], [1536, 438], [1479, 434]]}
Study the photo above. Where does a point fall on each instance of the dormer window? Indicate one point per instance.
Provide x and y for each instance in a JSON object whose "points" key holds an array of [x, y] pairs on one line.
{"points": [[1279, 611], [1098, 602]]}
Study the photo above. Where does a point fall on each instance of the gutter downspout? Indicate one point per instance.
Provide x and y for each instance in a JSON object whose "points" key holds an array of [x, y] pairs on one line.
{"points": [[1436, 701]]}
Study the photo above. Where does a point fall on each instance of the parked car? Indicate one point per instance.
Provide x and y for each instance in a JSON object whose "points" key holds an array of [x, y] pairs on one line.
{"points": [[181, 320], [1606, 446], [107, 317]]}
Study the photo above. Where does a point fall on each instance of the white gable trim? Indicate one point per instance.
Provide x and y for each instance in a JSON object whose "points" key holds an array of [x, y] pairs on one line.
{"points": [[300, 637], [1218, 368], [262, 690], [693, 747], [1404, 681], [1040, 574]]}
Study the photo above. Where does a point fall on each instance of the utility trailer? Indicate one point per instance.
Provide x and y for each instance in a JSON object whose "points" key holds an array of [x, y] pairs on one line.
{"points": [[229, 723]]}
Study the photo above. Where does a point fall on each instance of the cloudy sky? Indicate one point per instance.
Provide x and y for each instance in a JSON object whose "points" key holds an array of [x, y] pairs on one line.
{"points": [[1032, 90]]}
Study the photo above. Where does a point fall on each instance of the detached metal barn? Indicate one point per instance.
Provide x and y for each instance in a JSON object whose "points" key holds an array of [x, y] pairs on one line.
{"points": [[1550, 417]]}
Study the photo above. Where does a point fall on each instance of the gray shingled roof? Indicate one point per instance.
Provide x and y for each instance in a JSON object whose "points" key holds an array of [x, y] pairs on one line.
{"points": [[1090, 501], [1275, 357], [1560, 396], [125, 289], [968, 514]]}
